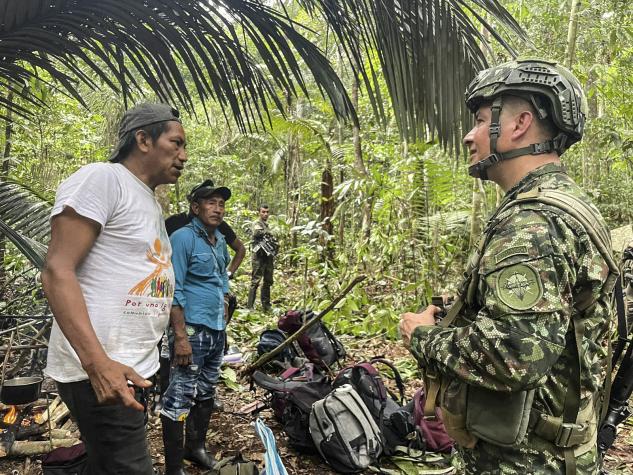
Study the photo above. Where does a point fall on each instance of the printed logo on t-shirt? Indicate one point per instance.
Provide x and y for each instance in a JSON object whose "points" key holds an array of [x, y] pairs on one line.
{"points": [[157, 283]]}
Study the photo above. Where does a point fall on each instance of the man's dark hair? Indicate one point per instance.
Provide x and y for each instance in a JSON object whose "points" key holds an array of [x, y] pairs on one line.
{"points": [[129, 140], [263, 206]]}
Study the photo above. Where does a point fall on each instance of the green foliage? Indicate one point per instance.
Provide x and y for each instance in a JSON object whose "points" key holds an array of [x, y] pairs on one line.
{"points": [[402, 211]]}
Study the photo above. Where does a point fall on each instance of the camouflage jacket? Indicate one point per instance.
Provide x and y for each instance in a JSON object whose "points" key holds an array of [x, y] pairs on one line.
{"points": [[516, 333], [258, 229]]}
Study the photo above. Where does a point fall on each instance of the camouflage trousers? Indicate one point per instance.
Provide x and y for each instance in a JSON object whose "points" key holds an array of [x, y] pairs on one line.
{"points": [[488, 459], [262, 268]]}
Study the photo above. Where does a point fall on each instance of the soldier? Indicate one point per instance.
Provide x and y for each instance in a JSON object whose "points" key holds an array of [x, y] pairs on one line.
{"points": [[519, 362], [264, 247]]}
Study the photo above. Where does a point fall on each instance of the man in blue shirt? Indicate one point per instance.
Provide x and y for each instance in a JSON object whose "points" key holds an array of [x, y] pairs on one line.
{"points": [[200, 258]]}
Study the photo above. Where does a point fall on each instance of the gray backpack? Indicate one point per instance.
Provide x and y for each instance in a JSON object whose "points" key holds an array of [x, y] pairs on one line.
{"points": [[344, 431]]}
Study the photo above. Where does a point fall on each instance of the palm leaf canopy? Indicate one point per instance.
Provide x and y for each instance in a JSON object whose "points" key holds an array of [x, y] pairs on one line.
{"points": [[428, 51], [161, 43]]}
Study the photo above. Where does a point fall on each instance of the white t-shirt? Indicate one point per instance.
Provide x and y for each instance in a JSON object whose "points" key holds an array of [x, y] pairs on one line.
{"points": [[127, 279]]}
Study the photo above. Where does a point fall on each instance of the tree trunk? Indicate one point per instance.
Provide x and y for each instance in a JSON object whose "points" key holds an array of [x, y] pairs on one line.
{"points": [[572, 34], [327, 209], [6, 165], [359, 164]]}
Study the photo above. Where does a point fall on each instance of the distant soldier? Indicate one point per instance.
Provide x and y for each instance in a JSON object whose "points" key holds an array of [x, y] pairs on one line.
{"points": [[264, 247], [519, 363]]}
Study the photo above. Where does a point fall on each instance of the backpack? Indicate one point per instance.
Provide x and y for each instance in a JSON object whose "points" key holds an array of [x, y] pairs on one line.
{"points": [[271, 339], [396, 423], [344, 431], [318, 343], [433, 431], [292, 396]]}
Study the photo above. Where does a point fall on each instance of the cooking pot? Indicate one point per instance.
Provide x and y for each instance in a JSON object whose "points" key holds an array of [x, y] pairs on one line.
{"points": [[21, 390]]}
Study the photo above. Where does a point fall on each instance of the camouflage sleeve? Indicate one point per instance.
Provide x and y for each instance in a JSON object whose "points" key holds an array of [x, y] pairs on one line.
{"points": [[527, 274], [258, 230]]}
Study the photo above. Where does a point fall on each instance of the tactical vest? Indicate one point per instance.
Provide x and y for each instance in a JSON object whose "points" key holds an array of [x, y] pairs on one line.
{"points": [[466, 408]]}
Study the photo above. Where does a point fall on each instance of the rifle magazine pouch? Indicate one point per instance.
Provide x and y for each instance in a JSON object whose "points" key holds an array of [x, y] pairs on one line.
{"points": [[500, 418], [453, 405]]}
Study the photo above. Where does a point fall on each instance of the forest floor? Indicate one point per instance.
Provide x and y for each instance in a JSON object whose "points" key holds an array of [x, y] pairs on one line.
{"points": [[231, 433]]}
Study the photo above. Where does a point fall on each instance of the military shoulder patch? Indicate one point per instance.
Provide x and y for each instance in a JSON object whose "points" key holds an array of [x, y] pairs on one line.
{"points": [[519, 286], [512, 251]]}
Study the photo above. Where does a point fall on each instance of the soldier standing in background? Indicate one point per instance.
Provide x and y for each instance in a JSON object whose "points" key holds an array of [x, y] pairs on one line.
{"points": [[264, 247], [518, 364]]}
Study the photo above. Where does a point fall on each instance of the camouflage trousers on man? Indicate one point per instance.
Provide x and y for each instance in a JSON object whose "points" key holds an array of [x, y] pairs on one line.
{"points": [[528, 458], [262, 268]]}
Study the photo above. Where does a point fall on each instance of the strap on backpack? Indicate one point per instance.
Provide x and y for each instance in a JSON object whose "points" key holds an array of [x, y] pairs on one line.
{"points": [[396, 375]]}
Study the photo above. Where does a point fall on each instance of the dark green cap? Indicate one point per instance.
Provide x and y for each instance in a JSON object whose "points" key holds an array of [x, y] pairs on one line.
{"points": [[141, 116]]}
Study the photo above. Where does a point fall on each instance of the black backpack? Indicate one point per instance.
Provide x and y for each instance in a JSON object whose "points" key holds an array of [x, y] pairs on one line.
{"points": [[318, 343], [292, 396], [271, 339], [396, 422]]}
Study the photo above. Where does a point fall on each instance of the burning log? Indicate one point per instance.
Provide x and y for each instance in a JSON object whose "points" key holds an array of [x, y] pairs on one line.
{"points": [[38, 447], [42, 417]]}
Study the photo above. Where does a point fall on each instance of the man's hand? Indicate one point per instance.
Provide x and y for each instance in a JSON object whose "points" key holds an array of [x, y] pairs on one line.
{"points": [[182, 351], [410, 321], [109, 380]]}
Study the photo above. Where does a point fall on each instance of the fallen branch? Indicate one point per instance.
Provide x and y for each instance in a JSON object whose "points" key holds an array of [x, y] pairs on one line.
{"points": [[38, 447], [265, 358]]}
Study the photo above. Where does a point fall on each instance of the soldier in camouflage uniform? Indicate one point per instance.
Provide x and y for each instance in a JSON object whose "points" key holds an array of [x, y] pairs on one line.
{"points": [[263, 259], [532, 319]]}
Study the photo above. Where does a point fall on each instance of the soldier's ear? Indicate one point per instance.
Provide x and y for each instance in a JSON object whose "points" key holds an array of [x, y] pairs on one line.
{"points": [[195, 208]]}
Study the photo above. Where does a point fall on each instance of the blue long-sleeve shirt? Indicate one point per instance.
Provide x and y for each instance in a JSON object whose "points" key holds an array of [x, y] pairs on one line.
{"points": [[200, 271]]}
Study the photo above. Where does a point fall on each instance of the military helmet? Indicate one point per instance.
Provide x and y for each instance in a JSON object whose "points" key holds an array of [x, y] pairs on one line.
{"points": [[564, 99]]}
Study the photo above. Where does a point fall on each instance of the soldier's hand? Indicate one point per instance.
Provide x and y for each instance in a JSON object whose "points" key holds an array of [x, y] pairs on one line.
{"points": [[182, 351], [109, 379], [410, 321]]}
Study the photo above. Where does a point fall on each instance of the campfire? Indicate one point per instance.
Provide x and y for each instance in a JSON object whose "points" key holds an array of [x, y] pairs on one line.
{"points": [[36, 428]]}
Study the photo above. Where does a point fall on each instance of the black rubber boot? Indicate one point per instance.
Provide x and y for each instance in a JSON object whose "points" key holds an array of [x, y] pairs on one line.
{"points": [[252, 294], [173, 439], [196, 434]]}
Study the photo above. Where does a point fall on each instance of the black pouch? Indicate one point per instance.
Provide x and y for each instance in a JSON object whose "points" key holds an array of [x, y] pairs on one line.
{"points": [[66, 461], [498, 417]]}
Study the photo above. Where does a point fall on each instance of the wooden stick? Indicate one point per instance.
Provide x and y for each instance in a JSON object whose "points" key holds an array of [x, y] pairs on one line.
{"points": [[42, 418], [38, 447], [265, 358], [60, 414], [6, 359]]}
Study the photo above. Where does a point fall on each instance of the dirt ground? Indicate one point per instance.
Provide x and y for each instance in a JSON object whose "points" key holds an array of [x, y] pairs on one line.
{"points": [[231, 433]]}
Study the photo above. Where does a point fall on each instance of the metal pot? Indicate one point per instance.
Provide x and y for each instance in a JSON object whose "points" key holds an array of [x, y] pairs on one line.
{"points": [[21, 390]]}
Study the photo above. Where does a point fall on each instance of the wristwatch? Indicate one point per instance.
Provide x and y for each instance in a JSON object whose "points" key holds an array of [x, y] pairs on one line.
{"points": [[229, 274]]}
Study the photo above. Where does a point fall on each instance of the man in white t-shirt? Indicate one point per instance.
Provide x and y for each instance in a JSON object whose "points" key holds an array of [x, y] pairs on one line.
{"points": [[110, 283]]}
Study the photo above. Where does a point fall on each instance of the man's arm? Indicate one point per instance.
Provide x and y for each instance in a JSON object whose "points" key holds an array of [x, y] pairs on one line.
{"points": [[182, 245], [72, 237], [182, 347], [240, 251], [519, 334]]}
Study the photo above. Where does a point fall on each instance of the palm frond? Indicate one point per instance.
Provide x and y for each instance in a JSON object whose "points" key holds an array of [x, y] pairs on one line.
{"points": [[24, 210], [33, 250], [123, 43], [428, 51]]}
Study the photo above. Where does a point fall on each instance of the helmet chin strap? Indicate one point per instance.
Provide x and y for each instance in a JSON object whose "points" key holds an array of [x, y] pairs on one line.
{"points": [[480, 169]]}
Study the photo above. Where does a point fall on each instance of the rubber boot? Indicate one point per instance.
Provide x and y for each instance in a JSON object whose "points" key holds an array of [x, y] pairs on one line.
{"points": [[196, 434], [173, 439], [252, 294]]}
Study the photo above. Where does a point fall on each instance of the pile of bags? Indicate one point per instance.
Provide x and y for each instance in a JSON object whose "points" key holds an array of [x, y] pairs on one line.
{"points": [[351, 419]]}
